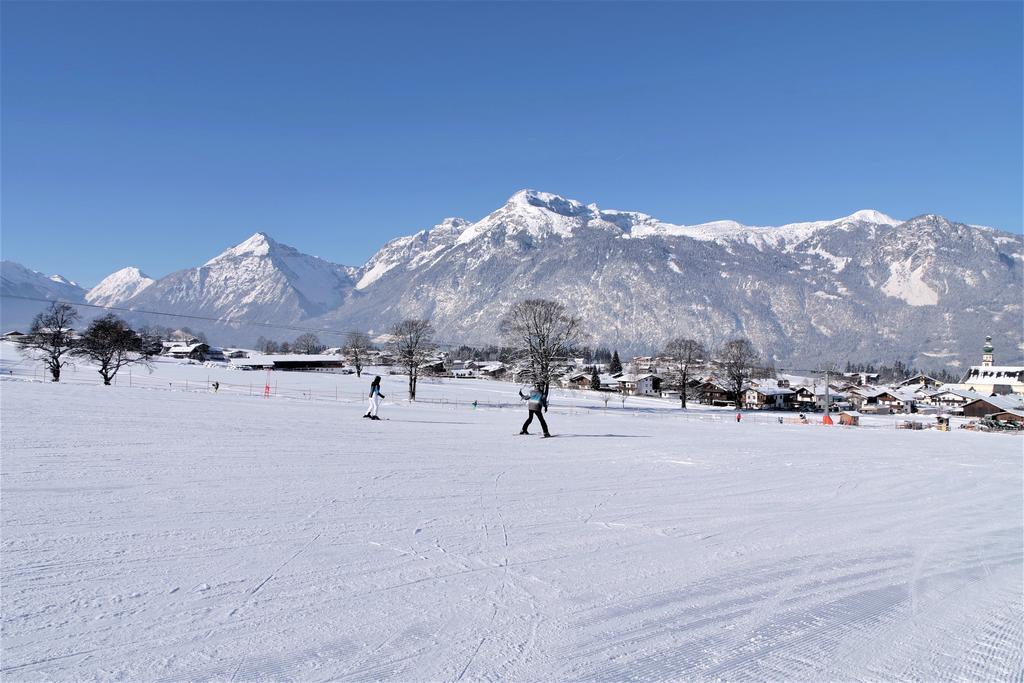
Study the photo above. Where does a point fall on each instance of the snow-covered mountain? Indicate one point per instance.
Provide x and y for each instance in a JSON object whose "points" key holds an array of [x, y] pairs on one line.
{"points": [[257, 281], [863, 287], [18, 281], [119, 286]]}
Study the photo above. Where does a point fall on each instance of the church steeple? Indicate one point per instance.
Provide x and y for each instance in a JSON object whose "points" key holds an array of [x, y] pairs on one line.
{"points": [[986, 353]]}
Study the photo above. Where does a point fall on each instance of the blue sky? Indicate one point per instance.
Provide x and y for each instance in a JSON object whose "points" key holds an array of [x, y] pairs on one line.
{"points": [[158, 134]]}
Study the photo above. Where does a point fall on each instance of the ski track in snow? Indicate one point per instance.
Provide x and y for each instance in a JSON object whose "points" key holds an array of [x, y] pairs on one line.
{"points": [[162, 535]]}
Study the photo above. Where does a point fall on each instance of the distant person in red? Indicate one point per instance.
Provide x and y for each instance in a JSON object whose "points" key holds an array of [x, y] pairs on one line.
{"points": [[739, 417]]}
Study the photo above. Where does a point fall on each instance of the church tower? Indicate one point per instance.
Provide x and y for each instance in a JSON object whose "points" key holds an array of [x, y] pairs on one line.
{"points": [[986, 353]]}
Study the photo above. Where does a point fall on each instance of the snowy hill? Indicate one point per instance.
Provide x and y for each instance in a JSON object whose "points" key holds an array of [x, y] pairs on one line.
{"points": [[259, 280], [119, 286], [862, 287], [18, 281]]}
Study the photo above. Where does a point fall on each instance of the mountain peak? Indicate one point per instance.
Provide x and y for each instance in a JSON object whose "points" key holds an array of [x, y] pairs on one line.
{"points": [[535, 199], [119, 286], [450, 224], [260, 244], [61, 280], [871, 216]]}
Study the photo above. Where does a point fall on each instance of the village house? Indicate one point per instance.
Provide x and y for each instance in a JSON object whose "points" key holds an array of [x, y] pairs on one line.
{"points": [[197, 351], [920, 380], [897, 400], [982, 407], [861, 379], [767, 397], [639, 385], [493, 370], [435, 366], [713, 393], [865, 399], [642, 365], [834, 398], [952, 399], [1012, 415], [803, 399], [576, 380]]}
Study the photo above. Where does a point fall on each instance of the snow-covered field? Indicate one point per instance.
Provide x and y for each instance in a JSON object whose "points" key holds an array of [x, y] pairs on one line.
{"points": [[154, 533]]}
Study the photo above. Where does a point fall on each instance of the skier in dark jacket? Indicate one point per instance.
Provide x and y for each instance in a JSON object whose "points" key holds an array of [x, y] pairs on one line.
{"points": [[535, 401], [375, 398]]}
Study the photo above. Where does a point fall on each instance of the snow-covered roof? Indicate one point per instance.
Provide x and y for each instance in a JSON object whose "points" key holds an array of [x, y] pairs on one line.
{"points": [[869, 392], [268, 359], [982, 370], [1008, 402], [637, 378], [772, 391], [962, 393], [185, 348]]}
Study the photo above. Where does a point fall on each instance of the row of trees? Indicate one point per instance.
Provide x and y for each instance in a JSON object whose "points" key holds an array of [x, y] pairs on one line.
{"points": [[540, 336], [306, 344], [108, 341]]}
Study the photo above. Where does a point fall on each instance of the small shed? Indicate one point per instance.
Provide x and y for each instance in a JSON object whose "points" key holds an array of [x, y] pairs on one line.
{"points": [[850, 418]]}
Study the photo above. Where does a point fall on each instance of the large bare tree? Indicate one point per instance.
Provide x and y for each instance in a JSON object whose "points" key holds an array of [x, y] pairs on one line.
{"points": [[111, 344], [541, 334], [737, 357], [356, 346], [307, 344], [51, 338], [683, 355], [412, 344]]}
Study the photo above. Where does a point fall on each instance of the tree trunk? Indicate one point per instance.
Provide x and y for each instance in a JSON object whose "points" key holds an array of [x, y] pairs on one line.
{"points": [[55, 372]]}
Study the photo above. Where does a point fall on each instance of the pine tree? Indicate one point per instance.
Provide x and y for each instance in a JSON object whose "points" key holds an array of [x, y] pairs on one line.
{"points": [[595, 379], [616, 364]]}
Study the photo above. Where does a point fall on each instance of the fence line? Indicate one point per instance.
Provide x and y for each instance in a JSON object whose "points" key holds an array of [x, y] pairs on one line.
{"points": [[564, 402]]}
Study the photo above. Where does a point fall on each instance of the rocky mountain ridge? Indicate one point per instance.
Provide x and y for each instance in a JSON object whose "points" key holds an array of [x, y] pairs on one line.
{"points": [[862, 287]]}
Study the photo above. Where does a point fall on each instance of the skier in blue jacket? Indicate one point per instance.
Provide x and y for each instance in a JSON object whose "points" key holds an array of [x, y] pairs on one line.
{"points": [[375, 397], [535, 401]]}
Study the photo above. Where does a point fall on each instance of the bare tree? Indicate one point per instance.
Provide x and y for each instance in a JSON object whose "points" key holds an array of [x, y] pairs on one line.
{"points": [[541, 333], [285, 347], [737, 358], [356, 346], [51, 337], [109, 342], [682, 355], [412, 345], [307, 343]]}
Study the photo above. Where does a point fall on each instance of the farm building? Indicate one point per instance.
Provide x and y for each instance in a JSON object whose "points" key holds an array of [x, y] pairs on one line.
{"points": [[316, 362]]}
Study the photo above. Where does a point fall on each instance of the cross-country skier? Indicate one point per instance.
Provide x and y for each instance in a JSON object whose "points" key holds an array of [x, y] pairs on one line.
{"points": [[375, 397], [535, 401]]}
